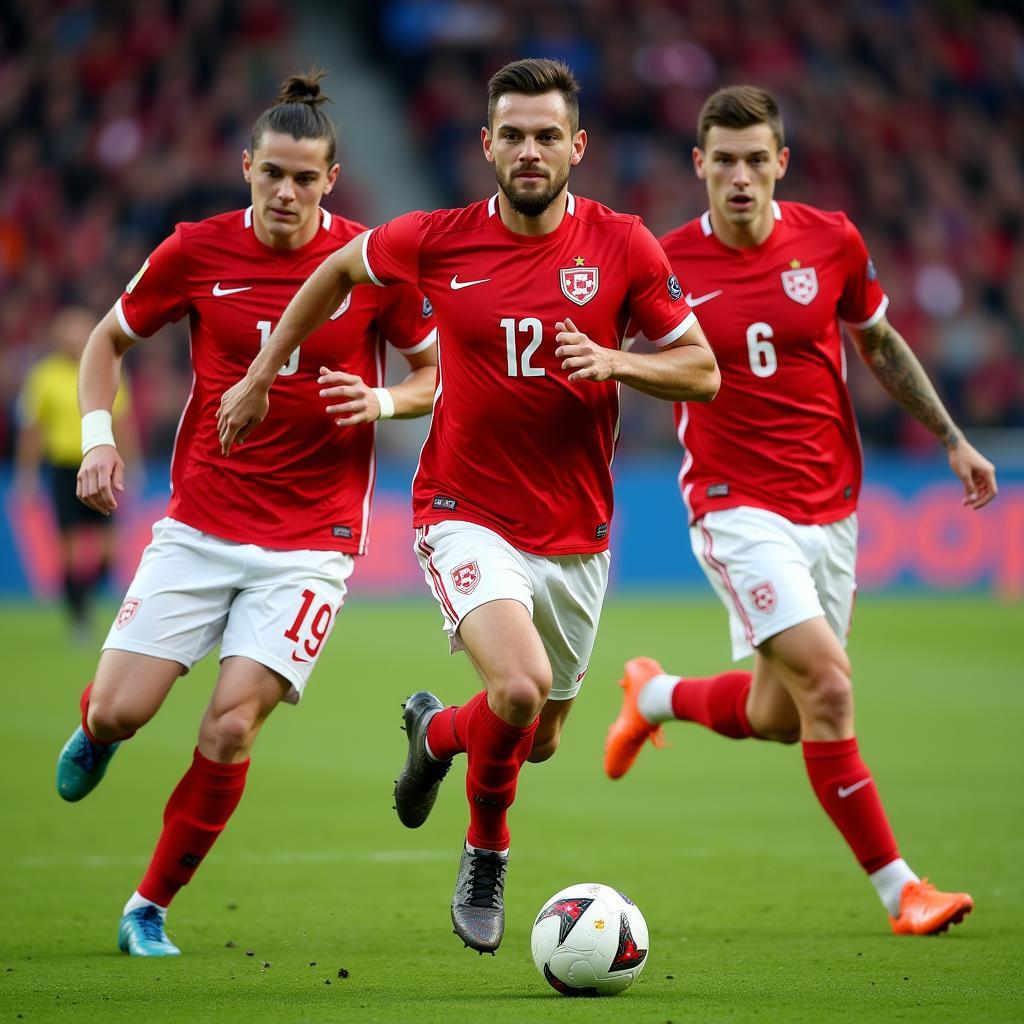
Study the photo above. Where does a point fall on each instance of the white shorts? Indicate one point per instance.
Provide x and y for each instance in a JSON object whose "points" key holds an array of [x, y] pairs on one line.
{"points": [[466, 566], [772, 574], [192, 590]]}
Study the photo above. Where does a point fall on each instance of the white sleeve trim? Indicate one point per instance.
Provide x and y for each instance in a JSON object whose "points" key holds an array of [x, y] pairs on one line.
{"points": [[429, 340], [366, 262], [676, 333], [873, 319], [125, 326]]}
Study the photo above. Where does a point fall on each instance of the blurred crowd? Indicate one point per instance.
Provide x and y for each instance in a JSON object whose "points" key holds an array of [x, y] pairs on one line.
{"points": [[907, 114], [117, 120]]}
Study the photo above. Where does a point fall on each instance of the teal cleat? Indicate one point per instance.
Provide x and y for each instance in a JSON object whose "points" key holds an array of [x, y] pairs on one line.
{"points": [[142, 933], [81, 765]]}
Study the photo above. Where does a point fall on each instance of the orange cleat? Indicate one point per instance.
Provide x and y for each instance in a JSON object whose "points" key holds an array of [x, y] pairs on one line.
{"points": [[926, 911], [628, 733]]}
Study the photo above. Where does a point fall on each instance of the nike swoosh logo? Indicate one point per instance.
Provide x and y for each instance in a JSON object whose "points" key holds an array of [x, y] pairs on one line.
{"points": [[295, 657], [845, 791], [456, 284], [691, 301], [218, 291]]}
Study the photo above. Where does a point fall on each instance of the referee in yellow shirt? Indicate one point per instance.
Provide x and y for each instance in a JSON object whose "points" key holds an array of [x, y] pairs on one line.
{"points": [[50, 433]]}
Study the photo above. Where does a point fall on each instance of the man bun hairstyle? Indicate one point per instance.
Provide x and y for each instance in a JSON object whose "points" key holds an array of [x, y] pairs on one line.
{"points": [[535, 76], [296, 112], [740, 106]]}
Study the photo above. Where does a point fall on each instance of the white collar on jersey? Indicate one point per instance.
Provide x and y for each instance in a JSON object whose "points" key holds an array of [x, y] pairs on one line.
{"points": [[326, 218], [570, 204], [705, 218]]}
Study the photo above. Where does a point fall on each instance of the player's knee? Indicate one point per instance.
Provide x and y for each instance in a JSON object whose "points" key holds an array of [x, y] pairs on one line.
{"points": [[110, 720], [830, 696], [522, 697], [232, 733]]}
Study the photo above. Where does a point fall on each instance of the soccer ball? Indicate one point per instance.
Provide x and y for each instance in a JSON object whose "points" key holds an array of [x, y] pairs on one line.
{"points": [[589, 940]]}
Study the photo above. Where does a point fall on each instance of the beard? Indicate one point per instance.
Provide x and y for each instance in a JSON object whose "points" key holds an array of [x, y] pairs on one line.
{"points": [[532, 204]]}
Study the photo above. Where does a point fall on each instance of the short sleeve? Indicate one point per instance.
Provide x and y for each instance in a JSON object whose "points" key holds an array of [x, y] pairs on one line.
{"points": [[407, 319], [391, 252], [158, 293], [862, 303], [656, 304]]}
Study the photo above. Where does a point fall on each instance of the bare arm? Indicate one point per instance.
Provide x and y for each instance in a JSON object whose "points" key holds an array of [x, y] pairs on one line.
{"points": [[890, 359], [101, 476], [685, 371], [352, 401], [244, 406]]}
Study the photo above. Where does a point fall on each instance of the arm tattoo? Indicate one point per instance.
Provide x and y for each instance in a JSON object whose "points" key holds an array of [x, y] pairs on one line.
{"points": [[889, 358]]}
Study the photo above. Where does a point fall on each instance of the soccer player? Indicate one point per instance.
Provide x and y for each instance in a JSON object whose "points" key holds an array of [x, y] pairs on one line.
{"points": [[254, 552], [771, 478], [49, 432], [512, 499]]}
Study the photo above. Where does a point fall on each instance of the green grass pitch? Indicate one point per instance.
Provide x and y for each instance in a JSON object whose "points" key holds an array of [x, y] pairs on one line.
{"points": [[757, 910]]}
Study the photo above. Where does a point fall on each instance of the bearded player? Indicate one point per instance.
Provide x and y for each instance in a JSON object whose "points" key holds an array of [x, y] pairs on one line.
{"points": [[512, 499], [254, 553], [771, 478]]}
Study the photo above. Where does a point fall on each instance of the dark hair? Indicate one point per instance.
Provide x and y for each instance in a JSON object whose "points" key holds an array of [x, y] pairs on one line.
{"points": [[296, 112], [740, 106], [535, 76]]}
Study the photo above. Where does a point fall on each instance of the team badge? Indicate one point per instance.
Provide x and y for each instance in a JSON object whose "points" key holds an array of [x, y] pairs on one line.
{"points": [[127, 611], [466, 577], [675, 289], [763, 596], [579, 284], [800, 284], [428, 309], [341, 309]]}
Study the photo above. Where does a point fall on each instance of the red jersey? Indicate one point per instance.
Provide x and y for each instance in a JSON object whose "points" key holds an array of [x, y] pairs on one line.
{"points": [[781, 435], [299, 481], [514, 445]]}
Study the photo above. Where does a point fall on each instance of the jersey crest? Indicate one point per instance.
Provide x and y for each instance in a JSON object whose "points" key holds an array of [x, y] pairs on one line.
{"points": [[763, 596], [579, 284], [127, 612], [466, 577], [800, 284]]}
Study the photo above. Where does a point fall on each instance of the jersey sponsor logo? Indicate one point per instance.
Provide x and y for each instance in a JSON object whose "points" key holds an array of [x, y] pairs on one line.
{"points": [[466, 577], [579, 284], [763, 596], [718, 490], [601, 532], [675, 289], [137, 278], [345, 532], [695, 300], [428, 309], [871, 273], [445, 504], [845, 791], [341, 309], [800, 284], [219, 292], [127, 612], [457, 285]]}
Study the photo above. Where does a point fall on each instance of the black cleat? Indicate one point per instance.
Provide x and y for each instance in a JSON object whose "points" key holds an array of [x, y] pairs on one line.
{"points": [[417, 785], [478, 906]]}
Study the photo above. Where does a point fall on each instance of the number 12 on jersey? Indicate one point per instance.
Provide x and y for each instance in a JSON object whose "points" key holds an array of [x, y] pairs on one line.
{"points": [[265, 327], [519, 362]]}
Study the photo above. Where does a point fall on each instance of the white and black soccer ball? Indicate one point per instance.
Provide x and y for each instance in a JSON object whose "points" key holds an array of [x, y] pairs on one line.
{"points": [[590, 940]]}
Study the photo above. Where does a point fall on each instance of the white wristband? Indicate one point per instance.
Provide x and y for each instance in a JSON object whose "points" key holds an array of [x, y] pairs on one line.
{"points": [[387, 403], [97, 429]]}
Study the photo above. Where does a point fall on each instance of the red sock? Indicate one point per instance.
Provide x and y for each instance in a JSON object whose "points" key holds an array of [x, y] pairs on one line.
{"points": [[844, 787], [448, 729], [496, 752], [717, 702], [83, 703], [196, 814]]}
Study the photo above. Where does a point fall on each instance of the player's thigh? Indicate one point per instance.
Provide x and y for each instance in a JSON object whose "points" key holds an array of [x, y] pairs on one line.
{"points": [[245, 695], [468, 568], [835, 574], [129, 688], [505, 648], [176, 607], [569, 594], [804, 656], [285, 610], [760, 565]]}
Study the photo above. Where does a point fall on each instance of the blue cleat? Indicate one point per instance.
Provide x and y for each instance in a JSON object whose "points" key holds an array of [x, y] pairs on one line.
{"points": [[142, 933], [81, 765]]}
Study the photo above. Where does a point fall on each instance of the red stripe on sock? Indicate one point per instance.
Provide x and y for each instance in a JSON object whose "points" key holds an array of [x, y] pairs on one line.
{"points": [[195, 816], [496, 752], [845, 789], [716, 702]]}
